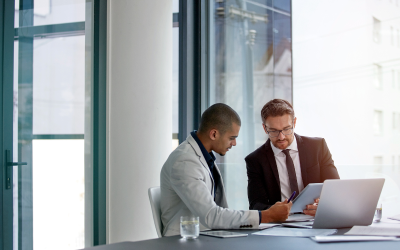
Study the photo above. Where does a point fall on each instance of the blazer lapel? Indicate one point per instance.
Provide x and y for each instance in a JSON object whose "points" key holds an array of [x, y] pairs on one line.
{"points": [[197, 149], [220, 198], [272, 161], [303, 158]]}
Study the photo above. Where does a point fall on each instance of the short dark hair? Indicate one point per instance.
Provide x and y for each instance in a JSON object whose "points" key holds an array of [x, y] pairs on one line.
{"points": [[219, 116], [277, 107]]}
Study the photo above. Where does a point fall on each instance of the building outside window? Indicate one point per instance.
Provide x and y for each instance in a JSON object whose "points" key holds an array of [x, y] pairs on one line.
{"points": [[392, 35], [250, 64], [396, 122], [341, 82], [393, 78], [377, 76], [342, 87], [376, 30], [378, 122], [398, 79], [378, 162]]}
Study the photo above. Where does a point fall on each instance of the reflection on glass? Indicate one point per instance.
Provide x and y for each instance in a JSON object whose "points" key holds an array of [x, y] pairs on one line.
{"points": [[250, 64], [345, 88]]}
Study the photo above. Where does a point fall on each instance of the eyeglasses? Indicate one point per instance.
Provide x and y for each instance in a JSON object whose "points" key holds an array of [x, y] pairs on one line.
{"points": [[275, 133]]}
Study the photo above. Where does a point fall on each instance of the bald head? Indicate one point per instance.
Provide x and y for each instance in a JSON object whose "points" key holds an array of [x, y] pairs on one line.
{"points": [[220, 117]]}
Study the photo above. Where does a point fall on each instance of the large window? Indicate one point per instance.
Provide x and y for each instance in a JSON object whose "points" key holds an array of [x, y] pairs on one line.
{"points": [[345, 82], [345, 86], [52, 130], [250, 64]]}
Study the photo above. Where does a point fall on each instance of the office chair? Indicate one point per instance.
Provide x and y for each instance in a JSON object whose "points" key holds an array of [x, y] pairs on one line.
{"points": [[154, 196]]}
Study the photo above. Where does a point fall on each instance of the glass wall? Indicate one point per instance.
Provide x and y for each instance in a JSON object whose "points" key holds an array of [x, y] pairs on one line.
{"points": [[250, 64], [346, 86], [48, 131]]}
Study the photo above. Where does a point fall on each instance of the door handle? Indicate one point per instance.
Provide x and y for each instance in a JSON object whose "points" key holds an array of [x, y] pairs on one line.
{"points": [[9, 165]]}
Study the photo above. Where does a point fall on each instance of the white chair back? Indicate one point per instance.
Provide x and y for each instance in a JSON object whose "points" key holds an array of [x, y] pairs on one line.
{"points": [[154, 196]]}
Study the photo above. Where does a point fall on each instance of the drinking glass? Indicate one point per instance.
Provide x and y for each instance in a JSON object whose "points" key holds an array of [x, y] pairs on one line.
{"points": [[190, 227], [378, 213]]}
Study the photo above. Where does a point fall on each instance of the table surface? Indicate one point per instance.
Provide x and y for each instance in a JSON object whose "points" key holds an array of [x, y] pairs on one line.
{"points": [[253, 242]]}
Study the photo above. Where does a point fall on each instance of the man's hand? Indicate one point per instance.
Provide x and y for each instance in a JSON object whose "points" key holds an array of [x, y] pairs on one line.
{"points": [[312, 208], [278, 212]]}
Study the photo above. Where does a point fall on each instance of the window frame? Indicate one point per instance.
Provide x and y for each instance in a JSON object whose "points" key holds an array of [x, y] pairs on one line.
{"points": [[95, 28]]}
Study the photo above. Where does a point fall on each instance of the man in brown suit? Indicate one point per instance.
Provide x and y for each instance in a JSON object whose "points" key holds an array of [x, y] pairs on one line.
{"points": [[287, 162]]}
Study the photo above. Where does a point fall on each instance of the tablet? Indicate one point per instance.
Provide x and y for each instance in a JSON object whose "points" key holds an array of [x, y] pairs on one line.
{"points": [[306, 197], [223, 234]]}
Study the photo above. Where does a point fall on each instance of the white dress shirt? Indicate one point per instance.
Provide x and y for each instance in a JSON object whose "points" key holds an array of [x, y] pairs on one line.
{"points": [[280, 158]]}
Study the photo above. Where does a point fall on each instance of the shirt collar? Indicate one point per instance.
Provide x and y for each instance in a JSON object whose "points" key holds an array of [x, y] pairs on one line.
{"points": [[292, 146], [209, 156]]}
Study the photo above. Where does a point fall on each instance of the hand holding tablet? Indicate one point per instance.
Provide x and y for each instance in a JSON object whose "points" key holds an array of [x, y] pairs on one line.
{"points": [[306, 197], [312, 208]]}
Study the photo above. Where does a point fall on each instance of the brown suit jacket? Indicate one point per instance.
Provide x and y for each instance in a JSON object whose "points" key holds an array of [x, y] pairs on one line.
{"points": [[263, 188]]}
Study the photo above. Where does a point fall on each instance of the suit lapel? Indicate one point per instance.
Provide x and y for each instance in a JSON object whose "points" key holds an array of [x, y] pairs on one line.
{"points": [[198, 152], [303, 158], [197, 149], [272, 161], [220, 198]]}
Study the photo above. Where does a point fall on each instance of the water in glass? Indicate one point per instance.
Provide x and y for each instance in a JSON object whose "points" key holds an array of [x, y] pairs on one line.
{"points": [[189, 227], [378, 213]]}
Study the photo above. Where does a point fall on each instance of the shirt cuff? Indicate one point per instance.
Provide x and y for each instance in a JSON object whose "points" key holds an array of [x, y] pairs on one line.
{"points": [[259, 213]]}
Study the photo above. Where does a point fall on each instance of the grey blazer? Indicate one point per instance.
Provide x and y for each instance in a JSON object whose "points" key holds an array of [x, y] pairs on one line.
{"points": [[187, 187]]}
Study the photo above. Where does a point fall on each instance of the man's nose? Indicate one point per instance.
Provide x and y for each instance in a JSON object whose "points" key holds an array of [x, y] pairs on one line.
{"points": [[234, 142], [281, 136]]}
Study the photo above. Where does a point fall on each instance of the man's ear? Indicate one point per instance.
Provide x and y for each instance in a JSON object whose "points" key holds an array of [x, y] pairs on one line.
{"points": [[294, 122], [213, 134], [265, 128]]}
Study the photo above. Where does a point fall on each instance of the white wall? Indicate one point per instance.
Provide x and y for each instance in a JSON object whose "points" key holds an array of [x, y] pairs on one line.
{"points": [[139, 112]]}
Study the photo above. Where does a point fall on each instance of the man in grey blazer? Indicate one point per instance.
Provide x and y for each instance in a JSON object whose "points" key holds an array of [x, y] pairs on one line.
{"points": [[191, 182]]}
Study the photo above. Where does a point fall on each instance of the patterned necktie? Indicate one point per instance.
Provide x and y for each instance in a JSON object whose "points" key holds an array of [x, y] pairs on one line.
{"points": [[291, 172]]}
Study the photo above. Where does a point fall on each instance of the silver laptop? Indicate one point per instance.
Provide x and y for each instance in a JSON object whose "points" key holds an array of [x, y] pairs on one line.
{"points": [[345, 203]]}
